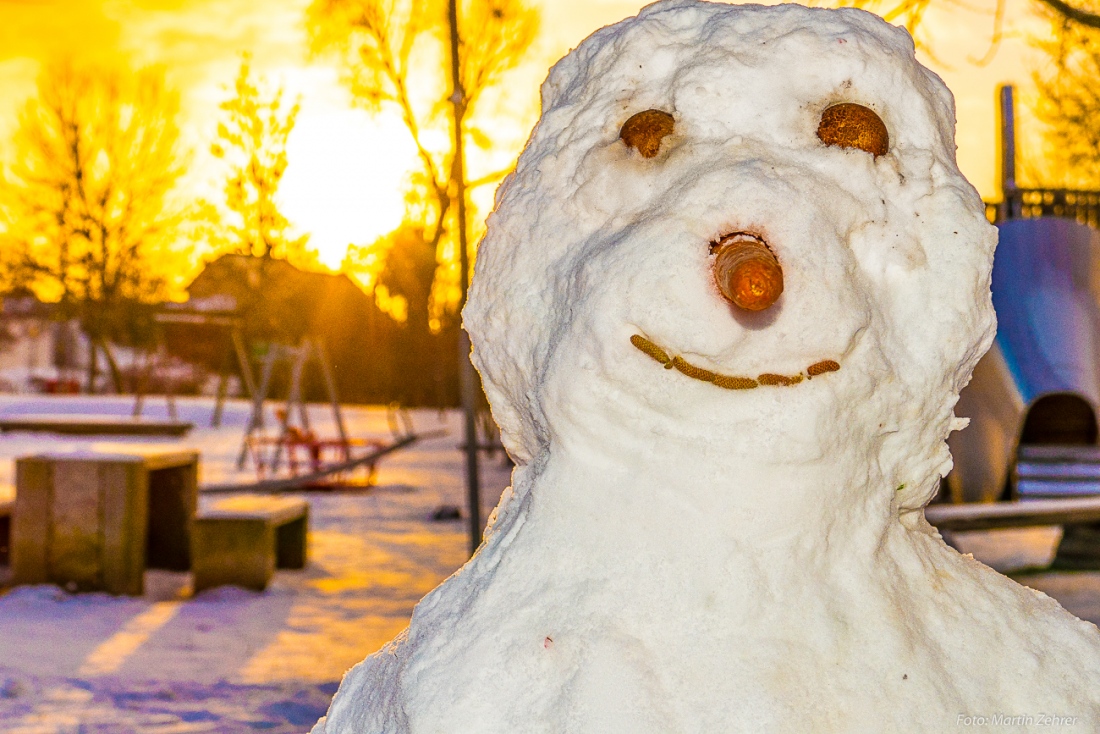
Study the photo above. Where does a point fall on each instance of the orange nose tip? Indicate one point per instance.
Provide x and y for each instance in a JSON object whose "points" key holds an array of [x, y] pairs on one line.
{"points": [[747, 273]]}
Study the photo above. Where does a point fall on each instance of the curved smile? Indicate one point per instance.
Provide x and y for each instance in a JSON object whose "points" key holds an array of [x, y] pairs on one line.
{"points": [[730, 382]]}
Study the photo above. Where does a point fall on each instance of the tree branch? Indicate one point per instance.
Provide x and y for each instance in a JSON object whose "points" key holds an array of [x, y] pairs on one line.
{"points": [[1081, 17]]}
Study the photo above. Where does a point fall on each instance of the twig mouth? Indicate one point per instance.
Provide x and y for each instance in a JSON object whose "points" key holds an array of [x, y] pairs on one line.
{"points": [[729, 382]]}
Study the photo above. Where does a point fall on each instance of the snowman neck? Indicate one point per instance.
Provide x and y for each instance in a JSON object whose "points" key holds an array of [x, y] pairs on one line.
{"points": [[705, 501]]}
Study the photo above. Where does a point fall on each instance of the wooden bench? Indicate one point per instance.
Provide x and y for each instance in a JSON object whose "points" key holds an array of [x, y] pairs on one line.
{"points": [[92, 425], [1079, 548], [5, 531], [95, 520], [242, 540], [993, 515]]}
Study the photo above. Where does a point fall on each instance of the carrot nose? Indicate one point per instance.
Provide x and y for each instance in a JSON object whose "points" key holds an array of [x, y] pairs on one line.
{"points": [[747, 272]]}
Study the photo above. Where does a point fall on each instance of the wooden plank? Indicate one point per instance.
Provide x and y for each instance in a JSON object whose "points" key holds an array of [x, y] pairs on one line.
{"points": [[31, 521], [991, 515], [93, 425], [75, 546], [124, 488]]}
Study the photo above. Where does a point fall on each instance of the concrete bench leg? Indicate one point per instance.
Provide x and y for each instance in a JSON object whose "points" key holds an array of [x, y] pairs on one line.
{"points": [[173, 501], [5, 539], [240, 552], [290, 544]]}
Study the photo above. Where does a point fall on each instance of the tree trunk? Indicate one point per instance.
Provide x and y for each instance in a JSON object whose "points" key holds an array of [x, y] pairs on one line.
{"points": [[112, 365], [93, 366]]}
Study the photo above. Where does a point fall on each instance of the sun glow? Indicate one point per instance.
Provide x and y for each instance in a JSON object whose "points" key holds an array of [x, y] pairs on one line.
{"points": [[348, 170], [345, 177]]}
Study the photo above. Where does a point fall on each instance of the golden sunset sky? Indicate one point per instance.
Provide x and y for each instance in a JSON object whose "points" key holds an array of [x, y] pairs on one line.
{"points": [[344, 181]]}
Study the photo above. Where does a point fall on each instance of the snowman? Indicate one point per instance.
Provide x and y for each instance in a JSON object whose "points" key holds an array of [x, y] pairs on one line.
{"points": [[723, 312]]}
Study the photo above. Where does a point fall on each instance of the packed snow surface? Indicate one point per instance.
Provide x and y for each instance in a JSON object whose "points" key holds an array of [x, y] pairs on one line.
{"points": [[678, 557]]}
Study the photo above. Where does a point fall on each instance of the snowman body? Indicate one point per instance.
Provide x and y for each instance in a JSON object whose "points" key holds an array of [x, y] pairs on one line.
{"points": [[682, 553]]}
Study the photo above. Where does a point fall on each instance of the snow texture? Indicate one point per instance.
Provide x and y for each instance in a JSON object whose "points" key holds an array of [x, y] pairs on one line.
{"points": [[677, 557]]}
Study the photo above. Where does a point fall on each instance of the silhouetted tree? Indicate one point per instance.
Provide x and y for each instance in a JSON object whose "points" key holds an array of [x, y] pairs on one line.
{"points": [[1069, 104], [911, 14], [252, 139], [86, 205], [388, 48], [425, 349]]}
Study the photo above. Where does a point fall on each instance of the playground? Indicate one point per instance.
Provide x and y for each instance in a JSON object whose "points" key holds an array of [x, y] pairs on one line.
{"points": [[227, 659]]}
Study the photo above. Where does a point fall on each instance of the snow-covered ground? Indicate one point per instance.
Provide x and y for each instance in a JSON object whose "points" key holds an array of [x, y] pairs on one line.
{"points": [[230, 660]]}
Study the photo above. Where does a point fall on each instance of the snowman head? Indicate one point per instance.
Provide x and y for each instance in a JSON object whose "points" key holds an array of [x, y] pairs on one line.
{"points": [[809, 139]]}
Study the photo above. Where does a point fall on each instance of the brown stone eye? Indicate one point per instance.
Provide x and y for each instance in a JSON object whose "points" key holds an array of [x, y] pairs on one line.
{"points": [[854, 126], [645, 130]]}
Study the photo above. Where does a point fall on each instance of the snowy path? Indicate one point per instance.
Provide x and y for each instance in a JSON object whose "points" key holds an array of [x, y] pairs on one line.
{"points": [[231, 660]]}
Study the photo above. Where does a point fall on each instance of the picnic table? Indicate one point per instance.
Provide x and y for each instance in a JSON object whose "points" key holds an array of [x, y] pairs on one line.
{"points": [[95, 520]]}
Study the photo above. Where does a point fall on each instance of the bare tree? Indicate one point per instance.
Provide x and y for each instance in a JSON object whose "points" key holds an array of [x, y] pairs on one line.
{"points": [[1072, 14], [252, 140], [1069, 98], [86, 207], [911, 14], [1069, 103], [388, 48]]}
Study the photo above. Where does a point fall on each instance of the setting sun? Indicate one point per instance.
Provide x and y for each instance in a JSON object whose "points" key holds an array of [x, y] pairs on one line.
{"points": [[348, 169], [345, 182]]}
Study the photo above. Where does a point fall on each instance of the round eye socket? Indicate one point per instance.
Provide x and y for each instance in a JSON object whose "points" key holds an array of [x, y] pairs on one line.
{"points": [[854, 126], [645, 130]]}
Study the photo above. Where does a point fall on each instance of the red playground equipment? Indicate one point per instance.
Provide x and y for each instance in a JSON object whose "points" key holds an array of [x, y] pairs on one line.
{"points": [[296, 458], [306, 453]]}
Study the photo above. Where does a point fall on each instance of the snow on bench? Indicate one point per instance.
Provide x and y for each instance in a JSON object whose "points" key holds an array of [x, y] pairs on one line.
{"points": [[242, 540]]}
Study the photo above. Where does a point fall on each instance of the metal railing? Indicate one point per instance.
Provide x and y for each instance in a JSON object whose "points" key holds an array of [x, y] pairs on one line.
{"points": [[1080, 205]]}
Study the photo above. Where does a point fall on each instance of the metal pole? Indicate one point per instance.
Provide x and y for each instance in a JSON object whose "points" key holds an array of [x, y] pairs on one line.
{"points": [[465, 367], [334, 399], [256, 420], [1008, 153]]}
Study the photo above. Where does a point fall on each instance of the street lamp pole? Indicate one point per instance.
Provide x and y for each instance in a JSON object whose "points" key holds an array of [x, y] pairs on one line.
{"points": [[467, 379]]}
